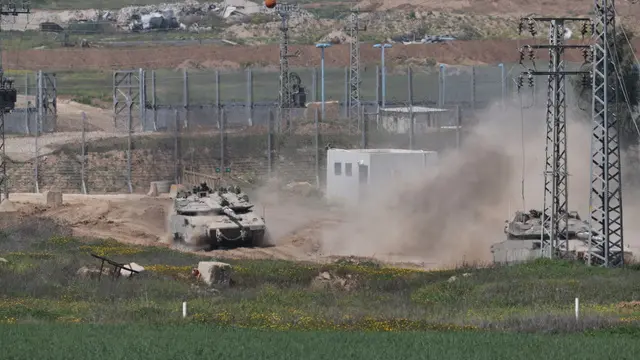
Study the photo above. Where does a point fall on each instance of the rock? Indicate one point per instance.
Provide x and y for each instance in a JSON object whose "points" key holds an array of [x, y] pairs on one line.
{"points": [[326, 280], [3, 260], [452, 279], [92, 273], [153, 190], [132, 266], [214, 272], [466, 274], [52, 198]]}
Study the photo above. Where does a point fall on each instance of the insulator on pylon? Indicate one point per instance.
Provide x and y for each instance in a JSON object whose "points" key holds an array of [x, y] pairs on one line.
{"points": [[532, 27], [532, 83], [519, 82], [584, 30], [587, 54], [532, 54], [586, 80], [520, 26], [521, 50]]}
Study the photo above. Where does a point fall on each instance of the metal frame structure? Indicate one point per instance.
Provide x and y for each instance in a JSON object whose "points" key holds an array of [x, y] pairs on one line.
{"points": [[285, 95], [128, 91], [353, 107], [46, 101], [128, 88], [605, 201], [554, 238], [8, 94]]}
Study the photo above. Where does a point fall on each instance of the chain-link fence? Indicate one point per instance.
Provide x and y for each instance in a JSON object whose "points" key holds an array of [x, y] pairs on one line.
{"points": [[227, 123]]}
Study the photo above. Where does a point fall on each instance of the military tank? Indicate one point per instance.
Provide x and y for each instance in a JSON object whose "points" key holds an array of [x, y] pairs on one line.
{"points": [[524, 236], [205, 218]]}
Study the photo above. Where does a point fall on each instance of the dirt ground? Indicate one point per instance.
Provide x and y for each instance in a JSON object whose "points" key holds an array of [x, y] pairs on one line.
{"points": [[141, 220], [212, 56]]}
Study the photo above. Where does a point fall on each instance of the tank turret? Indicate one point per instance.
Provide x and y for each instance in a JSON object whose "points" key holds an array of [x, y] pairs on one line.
{"points": [[208, 218]]}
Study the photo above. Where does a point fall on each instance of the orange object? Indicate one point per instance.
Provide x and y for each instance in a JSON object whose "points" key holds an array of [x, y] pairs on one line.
{"points": [[270, 3]]}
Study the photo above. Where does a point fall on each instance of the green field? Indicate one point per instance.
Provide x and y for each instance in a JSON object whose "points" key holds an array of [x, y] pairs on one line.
{"points": [[93, 84], [286, 309], [188, 342]]}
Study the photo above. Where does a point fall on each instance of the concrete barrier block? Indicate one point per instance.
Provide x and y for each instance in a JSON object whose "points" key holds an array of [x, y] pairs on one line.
{"points": [[52, 198]]}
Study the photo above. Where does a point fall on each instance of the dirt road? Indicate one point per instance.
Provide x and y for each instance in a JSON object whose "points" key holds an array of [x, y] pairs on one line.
{"points": [[295, 226], [141, 220]]}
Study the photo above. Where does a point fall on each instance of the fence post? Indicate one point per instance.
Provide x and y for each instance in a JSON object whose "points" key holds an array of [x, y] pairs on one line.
{"points": [[411, 135], [502, 85], [345, 107], [38, 128], [378, 85], [442, 87], [270, 142], [250, 97], [218, 100], [223, 146], [84, 154], [129, 134], [185, 94], [314, 84], [176, 148], [365, 127], [26, 94], [458, 129], [154, 99], [410, 85], [317, 146], [473, 87]]}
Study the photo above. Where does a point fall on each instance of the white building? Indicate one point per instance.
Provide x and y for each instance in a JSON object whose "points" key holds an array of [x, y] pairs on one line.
{"points": [[352, 173]]}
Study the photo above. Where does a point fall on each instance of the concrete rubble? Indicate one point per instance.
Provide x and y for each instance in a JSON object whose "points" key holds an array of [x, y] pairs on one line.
{"points": [[179, 15], [214, 272], [189, 15]]}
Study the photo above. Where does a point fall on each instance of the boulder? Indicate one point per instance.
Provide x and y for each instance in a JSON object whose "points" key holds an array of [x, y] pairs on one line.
{"points": [[52, 198], [92, 273], [214, 272]]}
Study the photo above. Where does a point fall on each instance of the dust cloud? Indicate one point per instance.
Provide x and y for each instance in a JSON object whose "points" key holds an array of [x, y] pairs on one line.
{"points": [[455, 216]]}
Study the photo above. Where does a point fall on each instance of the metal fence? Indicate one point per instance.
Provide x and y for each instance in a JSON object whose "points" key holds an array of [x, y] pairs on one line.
{"points": [[218, 122]]}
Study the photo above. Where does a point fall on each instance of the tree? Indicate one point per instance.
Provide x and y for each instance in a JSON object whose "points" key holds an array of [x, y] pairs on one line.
{"points": [[628, 72]]}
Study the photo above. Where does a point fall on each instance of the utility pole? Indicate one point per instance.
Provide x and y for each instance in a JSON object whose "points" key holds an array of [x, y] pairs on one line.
{"points": [[354, 64], [285, 95], [606, 245], [8, 93], [554, 238]]}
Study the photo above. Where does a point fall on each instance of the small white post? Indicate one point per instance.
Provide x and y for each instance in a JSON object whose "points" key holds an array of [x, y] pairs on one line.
{"points": [[184, 309], [577, 309]]}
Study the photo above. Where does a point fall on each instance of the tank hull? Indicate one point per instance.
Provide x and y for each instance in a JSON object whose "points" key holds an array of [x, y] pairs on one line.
{"points": [[211, 232]]}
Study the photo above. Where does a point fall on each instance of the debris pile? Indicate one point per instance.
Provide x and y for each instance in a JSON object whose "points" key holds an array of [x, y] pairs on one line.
{"points": [[181, 15], [326, 280]]}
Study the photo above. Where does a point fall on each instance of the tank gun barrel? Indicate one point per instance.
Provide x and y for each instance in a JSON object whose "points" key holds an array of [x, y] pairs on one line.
{"points": [[232, 216], [229, 212]]}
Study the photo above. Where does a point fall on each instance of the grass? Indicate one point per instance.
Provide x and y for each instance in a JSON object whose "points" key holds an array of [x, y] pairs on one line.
{"points": [[98, 84], [40, 285], [202, 341]]}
